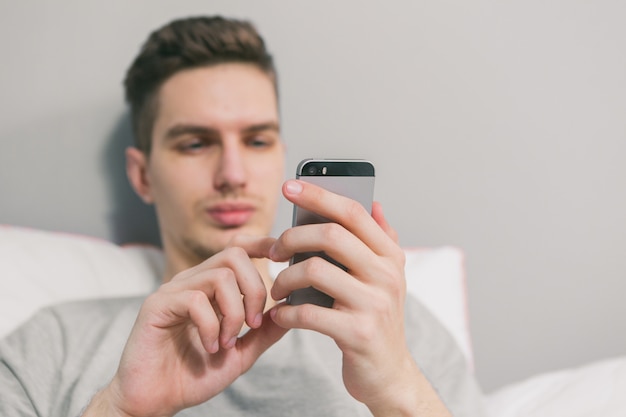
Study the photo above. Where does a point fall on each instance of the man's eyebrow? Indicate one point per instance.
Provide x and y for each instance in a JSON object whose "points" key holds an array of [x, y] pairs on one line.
{"points": [[262, 127], [187, 129], [184, 129]]}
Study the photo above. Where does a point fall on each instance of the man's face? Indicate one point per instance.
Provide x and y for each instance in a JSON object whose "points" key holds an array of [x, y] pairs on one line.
{"points": [[217, 160]]}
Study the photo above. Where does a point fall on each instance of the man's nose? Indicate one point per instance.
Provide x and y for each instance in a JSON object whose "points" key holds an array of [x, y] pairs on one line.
{"points": [[231, 171]]}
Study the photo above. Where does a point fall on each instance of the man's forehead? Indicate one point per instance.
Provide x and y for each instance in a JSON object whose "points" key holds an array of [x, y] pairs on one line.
{"points": [[234, 96], [221, 83]]}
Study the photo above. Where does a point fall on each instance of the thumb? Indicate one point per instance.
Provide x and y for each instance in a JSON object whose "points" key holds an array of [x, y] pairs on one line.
{"points": [[258, 340], [255, 247]]}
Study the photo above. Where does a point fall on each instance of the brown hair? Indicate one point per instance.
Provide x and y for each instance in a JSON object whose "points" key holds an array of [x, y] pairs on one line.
{"points": [[184, 44]]}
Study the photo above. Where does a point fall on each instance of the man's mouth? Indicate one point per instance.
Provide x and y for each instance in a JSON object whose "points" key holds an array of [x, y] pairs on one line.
{"points": [[231, 214]]}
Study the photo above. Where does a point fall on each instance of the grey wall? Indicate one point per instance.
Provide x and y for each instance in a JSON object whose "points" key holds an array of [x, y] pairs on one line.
{"points": [[495, 126]]}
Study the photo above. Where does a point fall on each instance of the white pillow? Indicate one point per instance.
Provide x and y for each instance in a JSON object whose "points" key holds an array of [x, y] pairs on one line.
{"points": [[594, 389], [436, 277], [40, 268]]}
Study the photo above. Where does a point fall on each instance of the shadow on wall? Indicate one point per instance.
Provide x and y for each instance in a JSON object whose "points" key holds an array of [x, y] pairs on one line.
{"points": [[132, 221]]}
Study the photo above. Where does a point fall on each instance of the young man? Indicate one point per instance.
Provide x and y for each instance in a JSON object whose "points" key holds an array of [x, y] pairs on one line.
{"points": [[209, 156]]}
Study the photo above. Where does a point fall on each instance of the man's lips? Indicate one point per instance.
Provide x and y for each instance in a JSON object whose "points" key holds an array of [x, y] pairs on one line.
{"points": [[231, 214]]}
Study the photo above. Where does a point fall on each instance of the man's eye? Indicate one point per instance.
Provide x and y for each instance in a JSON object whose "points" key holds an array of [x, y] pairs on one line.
{"points": [[191, 146], [259, 142]]}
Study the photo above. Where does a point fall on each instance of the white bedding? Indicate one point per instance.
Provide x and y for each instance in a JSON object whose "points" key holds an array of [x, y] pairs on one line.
{"points": [[41, 268], [597, 389]]}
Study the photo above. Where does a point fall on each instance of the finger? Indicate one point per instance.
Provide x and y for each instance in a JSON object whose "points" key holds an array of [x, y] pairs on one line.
{"points": [[231, 308], [257, 341], [255, 247], [248, 280], [349, 213], [330, 322], [219, 286], [323, 276], [203, 316], [172, 309], [379, 217], [331, 238]]}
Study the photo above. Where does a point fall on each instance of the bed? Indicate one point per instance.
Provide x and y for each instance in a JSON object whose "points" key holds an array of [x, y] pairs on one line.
{"points": [[41, 268]]}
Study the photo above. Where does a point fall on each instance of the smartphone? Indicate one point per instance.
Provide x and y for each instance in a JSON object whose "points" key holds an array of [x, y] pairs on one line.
{"points": [[352, 178]]}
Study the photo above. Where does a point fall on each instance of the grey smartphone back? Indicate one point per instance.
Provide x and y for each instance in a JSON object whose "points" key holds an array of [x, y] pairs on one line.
{"points": [[356, 188], [349, 184]]}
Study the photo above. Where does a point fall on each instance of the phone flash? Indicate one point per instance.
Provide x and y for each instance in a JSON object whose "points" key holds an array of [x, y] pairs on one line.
{"points": [[324, 169]]}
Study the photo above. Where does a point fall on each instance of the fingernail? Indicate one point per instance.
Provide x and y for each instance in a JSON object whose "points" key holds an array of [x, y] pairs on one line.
{"points": [[215, 347], [258, 320], [271, 251], [231, 342], [293, 187]]}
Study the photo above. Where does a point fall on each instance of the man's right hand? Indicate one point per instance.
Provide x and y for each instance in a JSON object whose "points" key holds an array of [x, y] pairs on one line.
{"points": [[184, 347]]}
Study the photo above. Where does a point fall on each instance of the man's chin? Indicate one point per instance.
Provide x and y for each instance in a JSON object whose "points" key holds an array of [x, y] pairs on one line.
{"points": [[204, 248]]}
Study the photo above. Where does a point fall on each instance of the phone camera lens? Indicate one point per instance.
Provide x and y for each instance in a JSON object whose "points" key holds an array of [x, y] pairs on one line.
{"points": [[311, 170]]}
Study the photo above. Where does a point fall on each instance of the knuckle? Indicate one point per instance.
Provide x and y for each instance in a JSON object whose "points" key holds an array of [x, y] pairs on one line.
{"points": [[332, 232], [256, 293], [306, 314], [286, 237], [196, 297], [235, 252], [223, 275], [384, 303], [365, 332], [284, 243], [396, 284], [400, 289], [314, 266], [354, 210], [397, 293], [234, 316]]}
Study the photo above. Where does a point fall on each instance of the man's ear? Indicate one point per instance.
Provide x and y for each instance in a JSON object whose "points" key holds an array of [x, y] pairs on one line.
{"points": [[136, 170]]}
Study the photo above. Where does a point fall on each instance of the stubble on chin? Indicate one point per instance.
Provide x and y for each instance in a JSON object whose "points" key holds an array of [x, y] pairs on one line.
{"points": [[198, 251]]}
